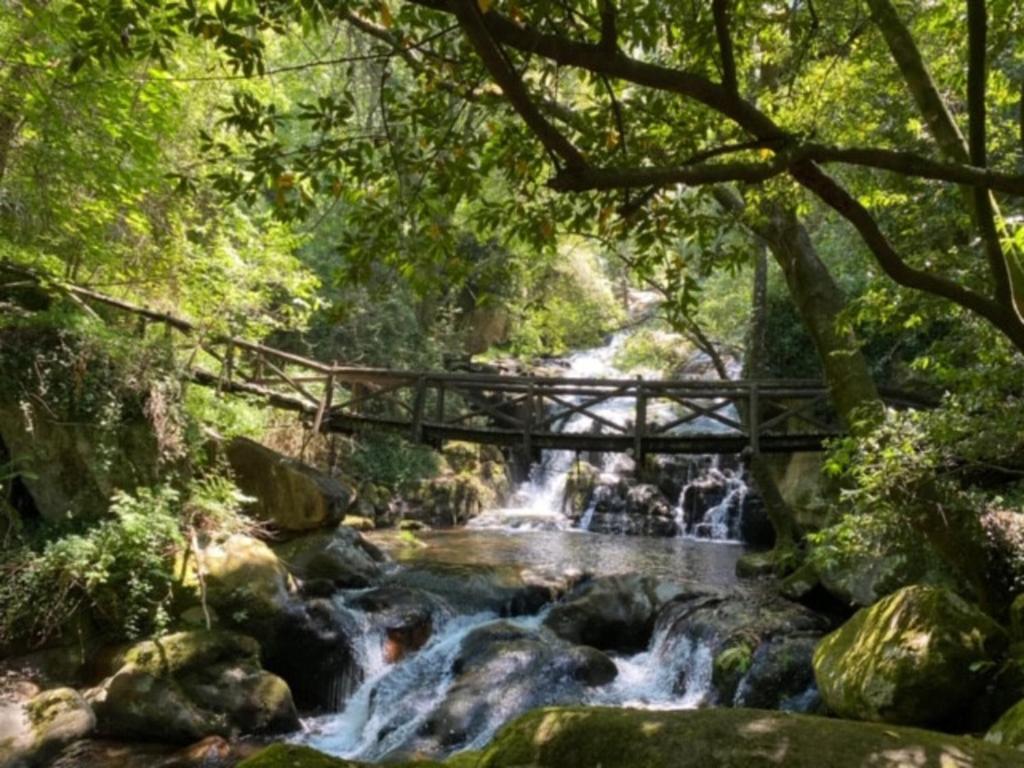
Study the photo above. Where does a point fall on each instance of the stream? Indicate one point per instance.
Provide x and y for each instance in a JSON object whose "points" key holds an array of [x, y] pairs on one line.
{"points": [[393, 708]]}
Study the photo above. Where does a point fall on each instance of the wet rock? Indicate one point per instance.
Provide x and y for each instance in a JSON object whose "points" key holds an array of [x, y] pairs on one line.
{"points": [[287, 494], [614, 613], [781, 676], [579, 489], [503, 670], [735, 632], [189, 685], [476, 588], [342, 556], [623, 507], [406, 616], [33, 731], [312, 650], [919, 656]]}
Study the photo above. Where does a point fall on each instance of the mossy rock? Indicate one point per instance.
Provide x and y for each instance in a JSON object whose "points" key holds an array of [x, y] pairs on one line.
{"points": [[1009, 729], [582, 737], [245, 580], [917, 657], [579, 737], [182, 651], [359, 523], [189, 685], [296, 756], [287, 494], [773, 562]]}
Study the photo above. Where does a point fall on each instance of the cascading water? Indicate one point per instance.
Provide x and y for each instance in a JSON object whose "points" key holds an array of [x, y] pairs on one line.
{"points": [[538, 504]]}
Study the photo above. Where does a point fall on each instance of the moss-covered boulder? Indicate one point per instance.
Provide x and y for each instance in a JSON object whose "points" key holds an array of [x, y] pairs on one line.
{"points": [[917, 657], [287, 494], [725, 738], [1009, 729], [185, 686], [34, 731], [582, 737], [245, 581]]}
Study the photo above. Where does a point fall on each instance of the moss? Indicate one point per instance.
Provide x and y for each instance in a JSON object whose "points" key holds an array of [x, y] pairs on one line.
{"points": [[295, 756], [358, 522], [175, 653], [1009, 729], [728, 669], [579, 737], [916, 657]]}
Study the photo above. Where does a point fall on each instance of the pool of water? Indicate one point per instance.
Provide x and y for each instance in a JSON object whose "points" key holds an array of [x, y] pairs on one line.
{"points": [[557, 552]]}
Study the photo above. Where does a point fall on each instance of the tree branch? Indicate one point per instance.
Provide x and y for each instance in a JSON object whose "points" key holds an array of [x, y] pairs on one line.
{"points": [[720, 10], [609, 30], [584, 179], [468, 14]]}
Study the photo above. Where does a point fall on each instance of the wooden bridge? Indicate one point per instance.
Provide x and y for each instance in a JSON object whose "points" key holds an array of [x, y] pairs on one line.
{"points": [[695, 416]]}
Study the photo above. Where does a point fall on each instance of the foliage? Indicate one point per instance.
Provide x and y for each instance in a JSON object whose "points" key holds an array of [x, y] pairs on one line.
{"points": [[388, 460], [572, 307], [117, 573]]}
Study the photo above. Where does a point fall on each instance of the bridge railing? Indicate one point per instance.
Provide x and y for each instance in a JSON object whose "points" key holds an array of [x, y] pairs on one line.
{"points": [[692, 415], [634, 415]]}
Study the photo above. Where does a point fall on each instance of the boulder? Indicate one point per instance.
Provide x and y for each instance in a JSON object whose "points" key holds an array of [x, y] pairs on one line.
{"points": [[749, 639], [579, 737], [916, 657], [585, 737], [342, 557], [246, 583], [33, 731], [579, 489], [312, 649], [612, 613], [287, 494], [475, 588], [623, 507], [1009, 729], [188, 685], [503, 670], [780, 676], [406, 616]]}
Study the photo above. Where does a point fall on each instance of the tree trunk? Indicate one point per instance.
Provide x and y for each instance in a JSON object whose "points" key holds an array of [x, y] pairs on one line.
{"points": [[820, 303], [779, 513]]}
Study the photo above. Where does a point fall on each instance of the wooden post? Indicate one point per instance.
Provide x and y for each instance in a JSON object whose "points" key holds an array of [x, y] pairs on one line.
{"points": [[440, 402], [528, 423], [325, 404], [640, 426], [754, 419], [419, 398]]}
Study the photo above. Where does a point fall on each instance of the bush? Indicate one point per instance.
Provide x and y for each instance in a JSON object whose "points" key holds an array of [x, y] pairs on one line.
{"points": [[118, 573], [388, 460]]}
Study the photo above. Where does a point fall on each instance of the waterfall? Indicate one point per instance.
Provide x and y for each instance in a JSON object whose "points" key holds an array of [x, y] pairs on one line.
{"points": [[697, 510]]}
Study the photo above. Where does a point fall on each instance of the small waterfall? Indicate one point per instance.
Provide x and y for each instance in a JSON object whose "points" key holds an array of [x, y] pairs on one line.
{"points": [[710, 504], [675, 673], [385, 716], [713, 502]]}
